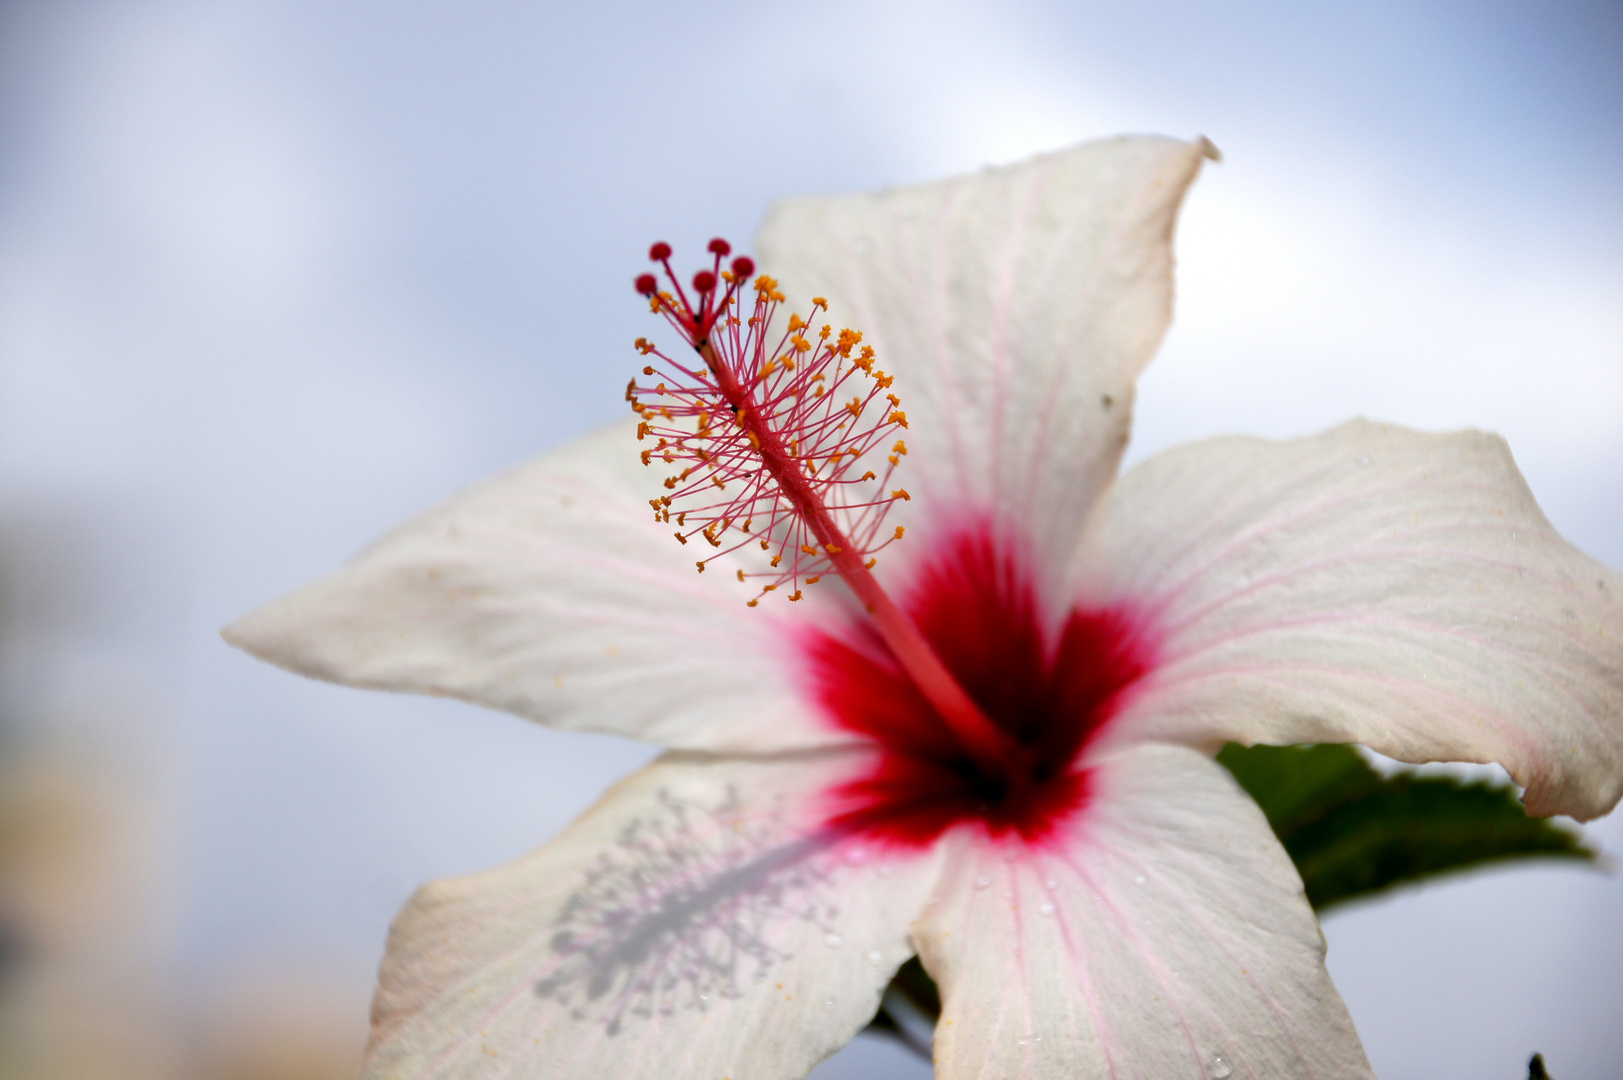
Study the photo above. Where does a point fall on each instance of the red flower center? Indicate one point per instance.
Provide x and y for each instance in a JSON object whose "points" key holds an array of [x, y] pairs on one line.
{"points": [[1051, 691]]}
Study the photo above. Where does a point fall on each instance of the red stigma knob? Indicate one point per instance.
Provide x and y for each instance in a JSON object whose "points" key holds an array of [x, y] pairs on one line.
{"points": [[660, 251], [704, 281], [718, 246], [743, 267], [647, 285]]}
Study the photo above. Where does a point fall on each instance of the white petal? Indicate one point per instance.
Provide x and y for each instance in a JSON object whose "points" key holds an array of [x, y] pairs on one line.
{"points": [[1015, 307], [550, 592], [695, 923], [1370, 585], [1164, 935]]}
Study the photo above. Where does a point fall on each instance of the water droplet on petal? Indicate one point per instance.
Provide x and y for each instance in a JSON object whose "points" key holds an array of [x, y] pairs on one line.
{"points": [[875, 957], [983, 881], [1010, 855], [834, 941], [1219, 1069], [1139, 880], [828, 1001], [1047, 909], [1050, 884], [1365, 461]]}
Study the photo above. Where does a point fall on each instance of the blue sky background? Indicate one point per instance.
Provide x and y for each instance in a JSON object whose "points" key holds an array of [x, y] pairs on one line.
{"points": [[274, 277]]}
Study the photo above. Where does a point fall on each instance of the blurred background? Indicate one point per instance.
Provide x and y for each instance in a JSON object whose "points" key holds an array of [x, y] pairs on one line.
{"points": [[276, 276]]}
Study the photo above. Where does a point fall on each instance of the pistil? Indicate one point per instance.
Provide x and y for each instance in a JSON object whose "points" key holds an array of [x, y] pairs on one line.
{"points": [[795, 463]]}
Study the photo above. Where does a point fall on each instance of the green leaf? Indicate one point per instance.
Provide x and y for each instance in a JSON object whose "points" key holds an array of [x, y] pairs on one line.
{"points": [[1353, 832]]}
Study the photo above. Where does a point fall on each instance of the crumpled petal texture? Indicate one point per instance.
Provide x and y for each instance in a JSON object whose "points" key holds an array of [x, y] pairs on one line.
{"points": [[1015, 307], [1167, 935], [1371, 585], [549, 592], [693, 923]]}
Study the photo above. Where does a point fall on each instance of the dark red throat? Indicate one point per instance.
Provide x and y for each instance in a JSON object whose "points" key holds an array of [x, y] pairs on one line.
{"points": [[1051, 691]]}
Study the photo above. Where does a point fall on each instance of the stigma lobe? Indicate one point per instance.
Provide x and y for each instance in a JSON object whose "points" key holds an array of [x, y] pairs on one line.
{"points": [[779, 436]]}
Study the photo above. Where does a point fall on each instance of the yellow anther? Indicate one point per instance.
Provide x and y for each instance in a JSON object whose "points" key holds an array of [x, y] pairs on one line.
{"points": [[899, 532], [741, 577], [642, 430], [776, 559], [754, 603], [884, 380], [894, 400], [822, 335], [800, 344], [795, 595], [809, 550], [832, 549], [897, 417], [901, 493], [796, 323], [768, 588], [682, 518], [680, 539], [870, 475], [894, 460], [647, 457], [700, 565], [818, 301], [814, 579], [900, 447], [871, 563], [855, 406], [765, 546]]}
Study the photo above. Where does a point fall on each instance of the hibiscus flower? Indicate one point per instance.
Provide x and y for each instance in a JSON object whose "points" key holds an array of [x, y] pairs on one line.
{"points": [[1092, 892]]}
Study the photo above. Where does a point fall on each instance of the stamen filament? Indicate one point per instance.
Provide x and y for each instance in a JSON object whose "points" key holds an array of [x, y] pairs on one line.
{"points": [[987, 743]]}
